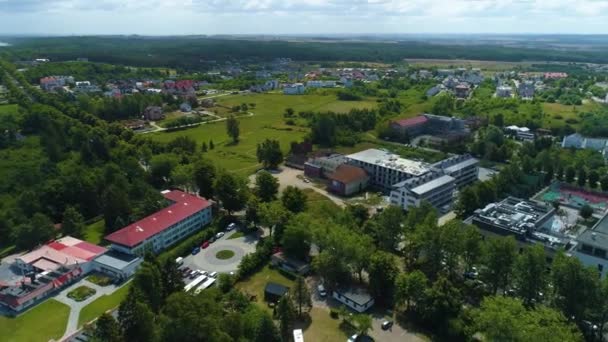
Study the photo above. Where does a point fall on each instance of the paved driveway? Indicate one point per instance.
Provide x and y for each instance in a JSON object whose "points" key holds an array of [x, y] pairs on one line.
{"points": [[206, 259], [293, 177]]}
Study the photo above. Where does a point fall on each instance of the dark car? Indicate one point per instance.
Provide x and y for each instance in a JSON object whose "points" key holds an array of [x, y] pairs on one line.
{"points": [[195, 250], [386, 325]]}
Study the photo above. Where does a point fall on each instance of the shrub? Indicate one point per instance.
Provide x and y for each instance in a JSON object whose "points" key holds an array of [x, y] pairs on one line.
{"points": [[333, 313]]}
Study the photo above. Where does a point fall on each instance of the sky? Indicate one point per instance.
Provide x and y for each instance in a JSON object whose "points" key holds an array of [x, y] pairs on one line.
{"points": [[176, 17]]}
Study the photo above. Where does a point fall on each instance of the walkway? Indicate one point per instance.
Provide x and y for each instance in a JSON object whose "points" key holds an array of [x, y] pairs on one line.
{"points": [[158, 128], [76, 307]]}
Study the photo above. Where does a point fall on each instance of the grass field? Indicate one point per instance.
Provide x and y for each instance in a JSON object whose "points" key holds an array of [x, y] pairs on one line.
{"points": [[466, 63], [44, 322], [102, 304], [322, 327], [94, 232], [266, 123], [9, 109], [81, 293]]}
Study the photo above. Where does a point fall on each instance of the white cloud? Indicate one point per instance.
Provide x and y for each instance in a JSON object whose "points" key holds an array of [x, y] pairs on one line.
{"points": [[305, 16]]}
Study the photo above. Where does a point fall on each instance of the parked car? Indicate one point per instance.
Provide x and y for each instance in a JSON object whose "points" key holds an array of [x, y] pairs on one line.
{"points": [[231, 227], [352, 338], [386, 325], [186, 270], [321, 290], [195, 250], [213, 274], [205, 244], [219, 235]]}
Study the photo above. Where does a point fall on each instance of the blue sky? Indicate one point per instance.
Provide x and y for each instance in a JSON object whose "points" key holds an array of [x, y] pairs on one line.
{"points": [[167, 17]]}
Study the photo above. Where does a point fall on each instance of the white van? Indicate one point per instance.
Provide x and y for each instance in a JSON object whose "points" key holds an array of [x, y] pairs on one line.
{"points": [[179, 261]]}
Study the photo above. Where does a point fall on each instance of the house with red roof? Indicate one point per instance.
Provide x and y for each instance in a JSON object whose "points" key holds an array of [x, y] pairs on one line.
{"points": [[347, 180], [185, 215], [410, 127]]}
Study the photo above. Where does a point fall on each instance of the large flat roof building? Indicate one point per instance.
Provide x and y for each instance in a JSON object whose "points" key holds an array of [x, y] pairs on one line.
{"points": [[185, 215], [385, 168]]}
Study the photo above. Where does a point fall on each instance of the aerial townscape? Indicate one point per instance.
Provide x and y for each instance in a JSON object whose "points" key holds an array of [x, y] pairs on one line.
{"points": [[300, 185]]}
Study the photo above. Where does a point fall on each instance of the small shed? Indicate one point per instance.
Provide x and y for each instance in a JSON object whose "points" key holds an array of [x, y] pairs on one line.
{"points": [[273, 292]]}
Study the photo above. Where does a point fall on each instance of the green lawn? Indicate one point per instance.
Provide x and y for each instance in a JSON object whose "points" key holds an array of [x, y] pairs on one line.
{"points": [[102, 304], [268, 122], [94, 232], [224, 254], [255, 284], [557, 113], [9, 109], [81, 293], [44, 322], [236, 235], [321, 328], [100, 279], [318, 205]]}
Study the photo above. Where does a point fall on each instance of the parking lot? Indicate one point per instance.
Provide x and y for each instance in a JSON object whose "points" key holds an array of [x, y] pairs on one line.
{"points": [[207, 260]]}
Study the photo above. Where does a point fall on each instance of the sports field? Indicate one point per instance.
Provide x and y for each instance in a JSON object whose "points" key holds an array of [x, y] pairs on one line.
{"points": [[575, 197], [267, 122]]}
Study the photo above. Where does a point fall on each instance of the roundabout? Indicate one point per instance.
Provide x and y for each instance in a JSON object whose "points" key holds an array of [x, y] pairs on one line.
{"points": [[224, 254]]}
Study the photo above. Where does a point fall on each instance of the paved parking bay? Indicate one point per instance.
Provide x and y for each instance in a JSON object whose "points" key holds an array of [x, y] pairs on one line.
{"points": [[206, 259]]}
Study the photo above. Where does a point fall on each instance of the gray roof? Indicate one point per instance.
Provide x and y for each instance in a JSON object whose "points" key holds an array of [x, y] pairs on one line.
{"points": [[391, 161], [116, 260], [434, 184], [356, 294], [598, 235], [461, 165]]}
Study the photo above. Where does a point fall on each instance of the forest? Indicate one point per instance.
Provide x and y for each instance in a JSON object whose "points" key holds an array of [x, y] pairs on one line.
{"points": [[194, 52]]}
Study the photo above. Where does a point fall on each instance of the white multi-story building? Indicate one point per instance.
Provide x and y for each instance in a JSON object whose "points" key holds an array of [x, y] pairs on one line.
{"points": [[412, 182], [433, 187], [504, 91], [387, 169], [464, 169], [321, 84], [186, 215]]}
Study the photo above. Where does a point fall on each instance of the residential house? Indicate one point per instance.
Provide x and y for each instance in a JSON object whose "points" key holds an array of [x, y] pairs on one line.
{"points": [[153, 113], [462, 90], [504, 91], [355, 298], [291, 265], [294, 89], [185, 107]]}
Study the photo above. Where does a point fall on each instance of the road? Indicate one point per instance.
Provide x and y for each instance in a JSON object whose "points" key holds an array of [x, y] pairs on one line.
{"points": [[76, 307], [157, 128]]}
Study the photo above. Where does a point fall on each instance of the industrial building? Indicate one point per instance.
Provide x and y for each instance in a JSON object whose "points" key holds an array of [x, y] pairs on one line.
{"points": [[528, 221], [186, 215]]}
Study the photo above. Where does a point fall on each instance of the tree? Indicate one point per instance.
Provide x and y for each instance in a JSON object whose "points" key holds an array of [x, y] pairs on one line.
{"points": [[297, 237], [410, 287], [269, 154], [160, 168], [499, 260], [575, 286], [530, 274], [107, 329], [594, 177], [204, 147], [472, 246], [232, 128], [442, 301], [204, 177], [363, 323], [117, 208], [252, 214], [211, 145], [467, 202], [286, 314], [73, 223], [586, 211], [225, 282], [382, 272], [183, 176], [135, 318], [266, 186], [232, 191], [289, 112], [604, 183], [266, 331], [570, 174], [582, 177], [149, 282], [387, 227], [294, 199], [301, 295], [39, 229], [273, 215], [171, 278], [506, 319]]}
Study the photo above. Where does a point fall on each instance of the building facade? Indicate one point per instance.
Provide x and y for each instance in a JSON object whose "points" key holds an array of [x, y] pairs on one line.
{"points": [[433, 187], [464, 169], [347, 180], [186, 215]]}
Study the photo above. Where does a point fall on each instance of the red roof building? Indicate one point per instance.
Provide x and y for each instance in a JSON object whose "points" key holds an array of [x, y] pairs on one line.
{"points": [[186, 214], [411, 122], [347, 180]]}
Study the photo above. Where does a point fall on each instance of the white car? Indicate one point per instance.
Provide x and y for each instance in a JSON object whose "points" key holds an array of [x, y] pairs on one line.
{"points": [[231, 227], [213, 274], [352, 338], [321, 290], [219, 235]]}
